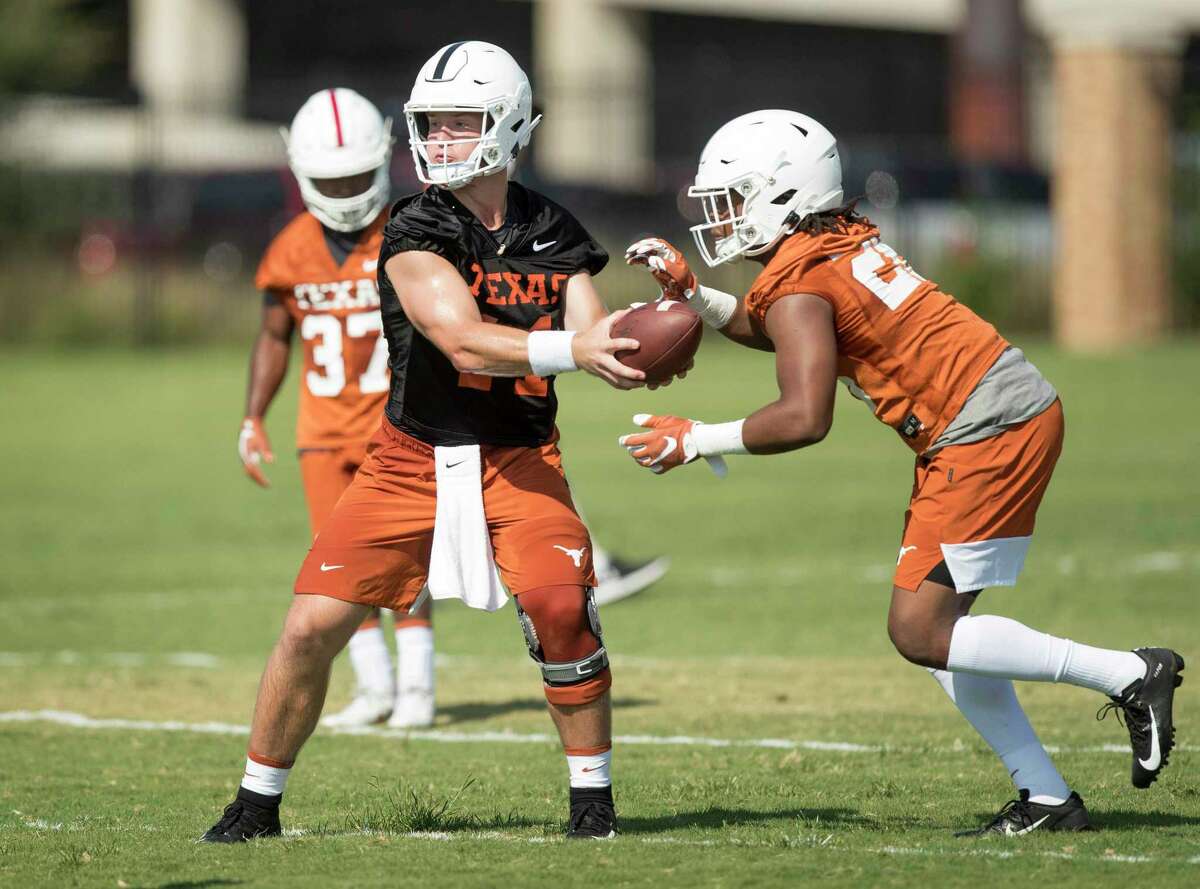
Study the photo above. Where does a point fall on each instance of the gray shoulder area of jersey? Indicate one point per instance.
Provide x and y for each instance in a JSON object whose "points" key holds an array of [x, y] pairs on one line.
{"points": [[1011, 392]]}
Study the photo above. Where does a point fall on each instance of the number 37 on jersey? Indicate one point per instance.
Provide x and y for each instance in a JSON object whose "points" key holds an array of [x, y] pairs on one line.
{"points": [[348, 347]]}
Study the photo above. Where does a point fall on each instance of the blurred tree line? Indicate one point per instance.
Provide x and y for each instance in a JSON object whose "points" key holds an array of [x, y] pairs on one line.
{"points": [[50, 45]]}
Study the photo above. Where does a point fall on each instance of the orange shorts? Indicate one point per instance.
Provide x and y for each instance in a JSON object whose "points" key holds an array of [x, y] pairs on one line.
{"points": [[327, 473], [380, 534], [974, 505]]}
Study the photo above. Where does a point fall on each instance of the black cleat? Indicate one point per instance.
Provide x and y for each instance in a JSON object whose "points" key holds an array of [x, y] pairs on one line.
{"points": [[593, 816], [249, 816], [1146, 708], [1020, 816]]}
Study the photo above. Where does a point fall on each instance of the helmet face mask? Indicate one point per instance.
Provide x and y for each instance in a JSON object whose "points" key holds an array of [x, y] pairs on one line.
{"points": [[472, 78], [758, 176], [727, 232], [338, 135], [347, 214], [436, 161]]}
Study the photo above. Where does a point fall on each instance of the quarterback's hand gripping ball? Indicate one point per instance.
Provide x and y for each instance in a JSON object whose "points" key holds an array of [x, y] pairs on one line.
{"points": [[666, 264], [254, 448], [668, 443], [668, 334]]}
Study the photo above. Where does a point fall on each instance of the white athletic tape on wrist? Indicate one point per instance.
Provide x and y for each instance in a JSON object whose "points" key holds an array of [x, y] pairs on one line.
{"points": [[714, 439], [244, 436], [715, 306], [550, 352]]}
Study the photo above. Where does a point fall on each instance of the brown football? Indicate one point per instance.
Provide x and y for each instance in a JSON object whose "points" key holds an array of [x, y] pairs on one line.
{"points": [[669, 334]]}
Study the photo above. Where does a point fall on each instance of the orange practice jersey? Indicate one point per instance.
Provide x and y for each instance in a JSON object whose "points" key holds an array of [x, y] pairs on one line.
{"points": [[344, 385], [910, 351]]}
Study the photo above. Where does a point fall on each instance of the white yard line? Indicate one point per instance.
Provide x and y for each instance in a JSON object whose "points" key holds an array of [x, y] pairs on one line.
{"points": [[444, 736], [1018, 853], [128, 659], [999, 849], [827, 842]]}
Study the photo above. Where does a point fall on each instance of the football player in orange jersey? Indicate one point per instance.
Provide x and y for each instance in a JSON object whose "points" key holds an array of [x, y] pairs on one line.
{"points": [[834, 301], [318, 276]]}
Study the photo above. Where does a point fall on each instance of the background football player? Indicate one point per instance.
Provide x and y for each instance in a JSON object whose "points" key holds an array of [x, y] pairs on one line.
{"points": [[318, 276], [834, 301], [486, 295]]}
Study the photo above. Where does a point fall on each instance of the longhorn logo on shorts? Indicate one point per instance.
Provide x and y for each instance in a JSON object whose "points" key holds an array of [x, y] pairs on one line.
{"points": [[575, 554]]}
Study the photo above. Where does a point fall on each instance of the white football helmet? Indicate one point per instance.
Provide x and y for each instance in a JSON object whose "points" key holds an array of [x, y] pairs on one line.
{"points": [[480, 78], [338, 133], [781, 166]]}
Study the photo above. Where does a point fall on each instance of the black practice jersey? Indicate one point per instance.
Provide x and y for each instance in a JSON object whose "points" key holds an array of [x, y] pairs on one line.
{"points": [[518, 276]]}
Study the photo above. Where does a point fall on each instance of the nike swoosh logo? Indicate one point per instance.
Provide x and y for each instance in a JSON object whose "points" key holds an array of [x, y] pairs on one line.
{"points": [[325, 567], [1155, 759], [904, 550], [592, 768], [370, 265], [538, 248], [672, 445], [452, 465], [1024, 830]]}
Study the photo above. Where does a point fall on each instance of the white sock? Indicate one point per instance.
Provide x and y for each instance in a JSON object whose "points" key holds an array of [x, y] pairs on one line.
{"points": [[987, 645], [414, 659], [264, 779], [591, 771], [991, 706], [372, 662]]}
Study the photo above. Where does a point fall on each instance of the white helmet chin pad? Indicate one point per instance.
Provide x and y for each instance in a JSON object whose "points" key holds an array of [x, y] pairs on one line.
{"points": [[476, 78], [758, 176], [338, 133]]}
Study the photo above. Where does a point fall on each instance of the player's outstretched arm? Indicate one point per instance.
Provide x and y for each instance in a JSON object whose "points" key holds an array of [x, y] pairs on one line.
{"points": [[268, 366], [437, 301], [722, 311]]}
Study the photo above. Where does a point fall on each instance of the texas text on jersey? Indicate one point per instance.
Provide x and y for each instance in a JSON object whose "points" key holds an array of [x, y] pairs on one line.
{"points": [[335, 307], [518, 276]]}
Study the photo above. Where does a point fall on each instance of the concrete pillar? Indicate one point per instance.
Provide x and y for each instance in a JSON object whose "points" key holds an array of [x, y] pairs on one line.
{"points": [[189, 55], [594, 83], [1112, 172]]}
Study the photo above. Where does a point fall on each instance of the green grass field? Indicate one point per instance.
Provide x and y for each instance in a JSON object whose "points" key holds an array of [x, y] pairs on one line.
{"points": [[773, 737]]}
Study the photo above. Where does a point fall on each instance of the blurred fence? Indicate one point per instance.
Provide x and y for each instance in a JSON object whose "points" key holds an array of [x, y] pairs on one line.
{"points": [[146, 258]]}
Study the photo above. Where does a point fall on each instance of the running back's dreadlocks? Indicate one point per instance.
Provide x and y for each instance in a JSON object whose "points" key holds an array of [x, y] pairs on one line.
{"points": [[835, 220]]}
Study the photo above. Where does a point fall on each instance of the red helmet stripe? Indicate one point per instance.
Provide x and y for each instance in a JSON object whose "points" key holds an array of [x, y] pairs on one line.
{"points": [[337, 118]]}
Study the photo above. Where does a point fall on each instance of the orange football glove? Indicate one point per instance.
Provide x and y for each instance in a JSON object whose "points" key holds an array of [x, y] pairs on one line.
{"points": [[666, 264], [254, 448], [668, 444]]}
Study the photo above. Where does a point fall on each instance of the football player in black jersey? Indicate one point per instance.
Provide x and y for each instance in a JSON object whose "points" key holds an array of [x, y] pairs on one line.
{"points": [[486, 295]]}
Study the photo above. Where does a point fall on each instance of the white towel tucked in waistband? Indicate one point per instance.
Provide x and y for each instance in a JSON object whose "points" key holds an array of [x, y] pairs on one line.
{"points": [[462, 565]]}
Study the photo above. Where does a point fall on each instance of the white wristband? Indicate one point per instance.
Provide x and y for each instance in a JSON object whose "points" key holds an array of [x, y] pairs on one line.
{"points": [[719, 438], [550, 352], [714, 306]]}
